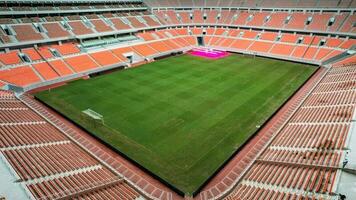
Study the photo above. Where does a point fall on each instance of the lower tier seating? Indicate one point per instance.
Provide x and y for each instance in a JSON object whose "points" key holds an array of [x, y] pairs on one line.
{"points": [[303, 158], [48, 163]]}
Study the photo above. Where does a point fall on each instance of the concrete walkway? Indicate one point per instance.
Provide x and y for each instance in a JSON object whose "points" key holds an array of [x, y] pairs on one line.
{"points": [[347, 182], [9, 188]]}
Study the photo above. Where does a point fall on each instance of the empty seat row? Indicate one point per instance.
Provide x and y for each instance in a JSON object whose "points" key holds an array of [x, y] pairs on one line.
{"points": [[37, 162]]}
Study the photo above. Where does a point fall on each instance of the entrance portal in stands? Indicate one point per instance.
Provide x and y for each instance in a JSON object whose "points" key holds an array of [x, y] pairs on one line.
{"points": [[200, 41]]}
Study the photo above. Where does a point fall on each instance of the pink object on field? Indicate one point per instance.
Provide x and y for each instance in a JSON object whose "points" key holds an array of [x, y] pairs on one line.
{"points": [[209, 53]]}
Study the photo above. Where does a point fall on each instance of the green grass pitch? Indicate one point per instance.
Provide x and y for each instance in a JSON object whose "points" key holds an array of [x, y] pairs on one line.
{"points": [[183, 116]]}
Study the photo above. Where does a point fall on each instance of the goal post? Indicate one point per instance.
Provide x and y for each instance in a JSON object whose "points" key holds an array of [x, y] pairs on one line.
{"points": [[94, 115]]}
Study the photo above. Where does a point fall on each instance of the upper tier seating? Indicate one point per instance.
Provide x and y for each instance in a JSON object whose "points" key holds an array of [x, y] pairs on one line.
{"points": [[26, 32], [277, 19], [265, 42], [253, 3], [100, 25], [348, 24], [79, 28], [150, 21], [135, 22], [298, 20], [55, 30], [119, 25]]}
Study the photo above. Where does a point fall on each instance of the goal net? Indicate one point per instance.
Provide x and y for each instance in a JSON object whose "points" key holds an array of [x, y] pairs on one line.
{"points": [[94, 115]]}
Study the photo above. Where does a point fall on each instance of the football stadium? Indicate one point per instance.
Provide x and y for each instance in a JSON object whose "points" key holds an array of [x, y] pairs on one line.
{"points": [[178, 99]]}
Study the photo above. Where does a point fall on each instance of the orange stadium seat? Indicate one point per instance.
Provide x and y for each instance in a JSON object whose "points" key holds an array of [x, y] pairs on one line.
{"points": [[299, 51], [241, 44], [120, 25], [298, 20], [182, 42], [211, 16], [219, 31], [277, 20], [347, 26], [135, 22], [282, 49], [334, 42], [185, 17], [197, 31], [150, 21], [182, 31], [105, 58], [313, 40], [66, 48], [226, 42], [32, 53], [46, 71], [79, 28], [310, 53], [144, 50], [339, 19], [21, 76], [351, 59], [234, 32], [170, 43], [81, 63], [210, 31], [44, 52], [250, 34], [159, 46], [191, 40], [290, 38], [226, 17], [146, 36], [160, 34], [319, 22], [258, 19], [322, 52], [332, 54], [269, 36], [120, 51], [100, 26], [26, 32], [242, 18], [10, 58], [55, 30], [260, 46], [211, 40], [348, 43], [61, 68], [173, 17], [161, 16], [173, 32], [198, 16], [3, 37]]}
